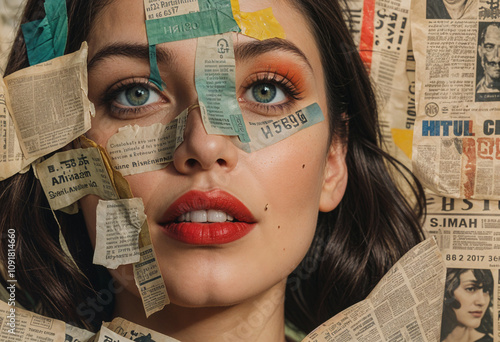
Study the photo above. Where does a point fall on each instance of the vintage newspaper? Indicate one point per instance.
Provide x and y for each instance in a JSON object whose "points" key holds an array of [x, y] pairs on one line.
{"points": [[11, 157], [48, 103], [381, 30], [456, 151], [404, 306], [468, 236]]}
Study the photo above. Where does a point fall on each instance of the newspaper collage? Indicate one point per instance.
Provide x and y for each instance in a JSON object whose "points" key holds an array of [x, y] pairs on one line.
{"points": [[437, 76]]}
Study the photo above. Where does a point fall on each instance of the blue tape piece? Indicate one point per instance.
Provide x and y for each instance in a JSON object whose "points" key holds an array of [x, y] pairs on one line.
{"points": [[46, 38], [154, 73]]}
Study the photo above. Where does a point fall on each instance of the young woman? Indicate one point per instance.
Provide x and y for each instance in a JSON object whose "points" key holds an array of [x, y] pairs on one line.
{"points": [[323, 215], [467, 307]]}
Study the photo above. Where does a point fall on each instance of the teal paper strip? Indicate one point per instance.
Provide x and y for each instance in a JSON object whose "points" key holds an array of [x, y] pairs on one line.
{"points": [[154, 72], [46, 38], [207, 22]]}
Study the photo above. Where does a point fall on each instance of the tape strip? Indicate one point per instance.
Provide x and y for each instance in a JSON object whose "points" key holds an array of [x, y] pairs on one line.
{"points": [[214, 17], [269, 132], [260, 24], [46, 38], [154, 73], [215, 70]]}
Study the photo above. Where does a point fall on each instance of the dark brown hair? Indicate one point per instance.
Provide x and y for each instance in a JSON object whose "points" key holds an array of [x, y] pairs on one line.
{"points": [[354, 246]]}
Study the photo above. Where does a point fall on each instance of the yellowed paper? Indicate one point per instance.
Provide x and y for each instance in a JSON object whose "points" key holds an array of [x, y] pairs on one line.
{"points": [[404, 306], [12, 160], [18, 325], [68, 176], [135, 332], [136, 149], [117, 232], [49, 103], [161, 9]]}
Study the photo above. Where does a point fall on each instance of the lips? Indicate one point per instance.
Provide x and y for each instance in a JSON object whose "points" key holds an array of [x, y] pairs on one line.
{"points": [[208, 206], [476, 314]]}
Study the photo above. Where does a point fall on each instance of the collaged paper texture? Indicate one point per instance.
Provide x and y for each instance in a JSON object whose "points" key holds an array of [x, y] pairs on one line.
{"points": [[215, 79], [68, 176], [117, 232], [49, 103], [136, 149]]}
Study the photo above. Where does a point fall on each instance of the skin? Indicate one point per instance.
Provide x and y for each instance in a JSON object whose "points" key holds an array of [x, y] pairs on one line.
{"points": [[489, 51], [234, 290], [455, 8], [474, 302]]}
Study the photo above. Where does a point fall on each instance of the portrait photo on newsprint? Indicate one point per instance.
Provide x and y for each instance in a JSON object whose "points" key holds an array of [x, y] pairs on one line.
{"points": [[488, 62], [468, 305], [451, 9]]}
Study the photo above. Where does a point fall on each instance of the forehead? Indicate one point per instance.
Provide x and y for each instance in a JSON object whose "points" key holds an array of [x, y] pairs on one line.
{"points": [[468, 277], [492, 33], [124, 21]]}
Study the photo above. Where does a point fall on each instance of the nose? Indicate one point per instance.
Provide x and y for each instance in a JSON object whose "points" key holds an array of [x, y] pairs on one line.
{"points": [[482, 298], [201, 151]]}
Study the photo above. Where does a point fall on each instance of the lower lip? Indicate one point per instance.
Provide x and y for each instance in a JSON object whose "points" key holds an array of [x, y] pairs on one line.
{"points": [[477, 314], [215, 233]]}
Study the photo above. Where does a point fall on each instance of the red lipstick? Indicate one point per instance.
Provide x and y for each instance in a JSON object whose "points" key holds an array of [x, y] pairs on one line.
{"points": [[207, 233]]}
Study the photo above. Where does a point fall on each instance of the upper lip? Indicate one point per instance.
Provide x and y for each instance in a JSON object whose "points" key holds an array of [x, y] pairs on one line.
{"points": [[204, 200], [477, 312]]}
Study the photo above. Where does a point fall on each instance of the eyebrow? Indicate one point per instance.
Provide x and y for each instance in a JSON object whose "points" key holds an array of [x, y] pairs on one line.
{"points": [[242, 51], [131, 50], [256, 48]]}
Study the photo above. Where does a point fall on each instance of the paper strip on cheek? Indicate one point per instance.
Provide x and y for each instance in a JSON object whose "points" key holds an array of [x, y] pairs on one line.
{"points": [[268, 132], [49, 103], [166, 23], [117, 232], [68, 176], [215, 69], [149, 280], [12, 160], [136, 149], [147, 274]]}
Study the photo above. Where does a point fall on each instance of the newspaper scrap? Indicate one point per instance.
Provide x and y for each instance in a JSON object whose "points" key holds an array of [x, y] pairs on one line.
{"points": [[213, 17], [467, 234], [456, 151], [18, 325], [68, 176], [117, 232], [12, 160], [74, 334], [381, 30], [268, 132], [404, 306], [136, 149], [49, 103], [216, 86], [149, 280], [161, 9], [135, 332], [147, 274]]}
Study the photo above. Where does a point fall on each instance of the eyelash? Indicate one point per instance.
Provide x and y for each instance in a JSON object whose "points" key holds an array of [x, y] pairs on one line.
{"points": [[110, 96], [286, 83]]}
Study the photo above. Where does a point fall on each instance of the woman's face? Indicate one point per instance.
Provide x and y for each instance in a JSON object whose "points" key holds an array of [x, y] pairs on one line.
{"points": [[276, 191], [473, 299]]}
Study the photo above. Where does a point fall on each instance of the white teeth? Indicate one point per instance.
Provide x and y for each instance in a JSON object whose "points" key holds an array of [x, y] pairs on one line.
{"points": [[199, 216], [205, 216]]}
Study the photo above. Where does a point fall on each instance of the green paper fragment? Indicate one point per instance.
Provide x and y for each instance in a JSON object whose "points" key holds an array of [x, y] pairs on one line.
{"points": [[207, 22], [154, 73], [46, 38]]}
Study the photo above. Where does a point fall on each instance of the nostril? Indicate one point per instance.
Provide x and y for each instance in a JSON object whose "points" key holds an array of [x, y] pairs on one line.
{"points": [[221, 162], [190, 162]]}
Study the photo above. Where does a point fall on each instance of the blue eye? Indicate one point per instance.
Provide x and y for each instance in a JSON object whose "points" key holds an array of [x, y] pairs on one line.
{"points": [[266, 93], [136, 96]]}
